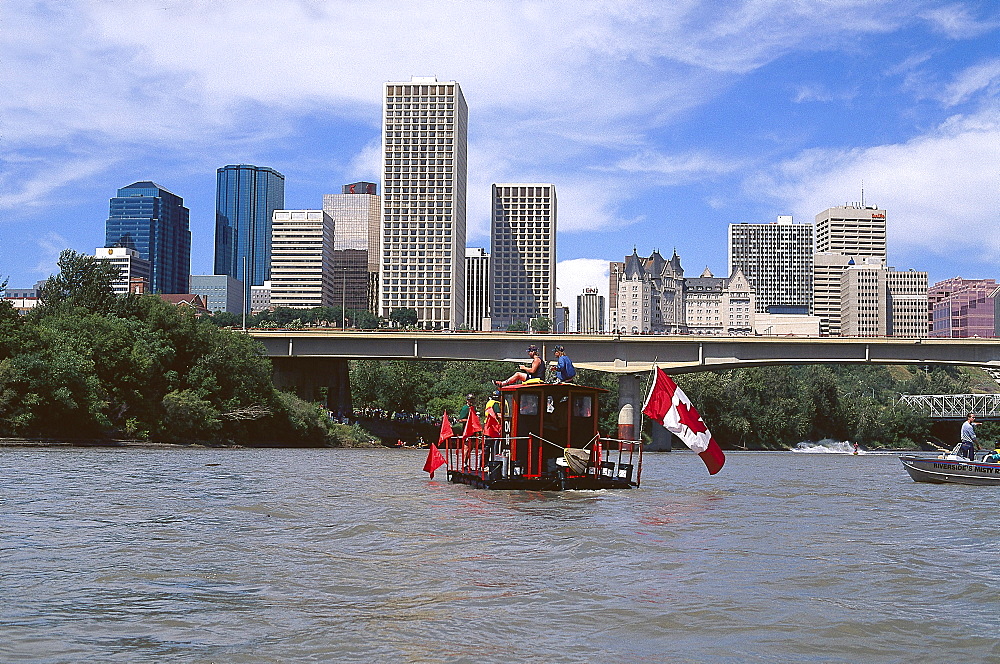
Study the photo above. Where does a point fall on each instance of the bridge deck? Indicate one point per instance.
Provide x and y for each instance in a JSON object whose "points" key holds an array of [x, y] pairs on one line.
{"points": [[630, 354]]}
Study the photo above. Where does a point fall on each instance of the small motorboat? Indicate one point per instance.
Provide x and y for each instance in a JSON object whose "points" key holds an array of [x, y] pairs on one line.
{"points": [[949, 468]]}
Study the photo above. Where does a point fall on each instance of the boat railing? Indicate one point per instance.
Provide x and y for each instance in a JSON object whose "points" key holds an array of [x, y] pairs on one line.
{"points": [[522, 457], [625, 463]]}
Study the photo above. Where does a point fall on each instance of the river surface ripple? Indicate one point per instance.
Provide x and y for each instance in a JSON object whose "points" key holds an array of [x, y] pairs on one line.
{"points": [[189, 555]]}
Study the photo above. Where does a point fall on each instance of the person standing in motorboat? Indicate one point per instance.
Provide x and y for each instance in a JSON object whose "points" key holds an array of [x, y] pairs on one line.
{"points": [[967, 447]]}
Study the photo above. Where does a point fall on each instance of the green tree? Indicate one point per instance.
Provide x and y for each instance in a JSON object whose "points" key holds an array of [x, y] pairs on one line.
{"points": [[518, 326], [541, 324], [403, 317], [82, 281]]}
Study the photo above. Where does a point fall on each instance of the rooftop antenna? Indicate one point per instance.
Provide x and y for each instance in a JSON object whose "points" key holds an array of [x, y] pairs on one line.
{"points": [[862, 193]]}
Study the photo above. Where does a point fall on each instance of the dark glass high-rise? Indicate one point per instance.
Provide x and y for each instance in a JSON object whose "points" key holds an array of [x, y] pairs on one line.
{"points": [[246, 196], [153, 221]]}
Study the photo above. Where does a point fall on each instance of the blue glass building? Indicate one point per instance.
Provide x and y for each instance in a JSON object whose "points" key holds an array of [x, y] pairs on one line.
{"points": [[146, 217], [245, 198]]}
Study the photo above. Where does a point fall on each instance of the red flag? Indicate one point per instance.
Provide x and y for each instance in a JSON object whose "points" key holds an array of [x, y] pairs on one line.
{"points": [[668, 405], [446, 431], [472, 425], [492, 428], [434, 460]]}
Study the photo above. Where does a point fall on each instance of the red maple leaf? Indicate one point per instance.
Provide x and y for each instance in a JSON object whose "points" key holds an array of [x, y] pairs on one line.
{"points": [[690, 418]]}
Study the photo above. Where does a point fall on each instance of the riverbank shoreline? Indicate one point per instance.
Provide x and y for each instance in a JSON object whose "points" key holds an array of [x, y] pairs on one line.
{"points": [[62, 442]]}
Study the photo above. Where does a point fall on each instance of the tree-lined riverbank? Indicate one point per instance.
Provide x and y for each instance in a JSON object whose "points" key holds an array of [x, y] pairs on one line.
{"points": [[90, 364]]}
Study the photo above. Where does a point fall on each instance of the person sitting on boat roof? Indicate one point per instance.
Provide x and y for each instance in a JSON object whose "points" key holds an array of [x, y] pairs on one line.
{"points": [[968, 445], [536, 369], [565, 371]]}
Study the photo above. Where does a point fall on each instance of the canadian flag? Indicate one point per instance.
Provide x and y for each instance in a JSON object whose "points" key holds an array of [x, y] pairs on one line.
{"points": [[668, 405]]}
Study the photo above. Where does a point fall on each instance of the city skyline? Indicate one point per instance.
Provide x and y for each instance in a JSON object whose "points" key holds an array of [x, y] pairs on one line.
{"points": [[648, 122]]}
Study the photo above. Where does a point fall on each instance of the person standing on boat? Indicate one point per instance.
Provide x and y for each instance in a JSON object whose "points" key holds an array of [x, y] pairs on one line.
{"points": [[463, 418], [968, 445], [534, 369], [565, 371], [463, 414]]}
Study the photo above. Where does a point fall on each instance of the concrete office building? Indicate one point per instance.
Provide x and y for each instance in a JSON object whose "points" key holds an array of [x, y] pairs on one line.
{"points": [[844, 234], [590, 312], [560, 323], [424, 140], [907, 303], [131, 267], [615, 270], [356, 214], [477, 289], [302, 259], [878, 301], [776, 259], [523, 253], [219, 291], [260, 297]]}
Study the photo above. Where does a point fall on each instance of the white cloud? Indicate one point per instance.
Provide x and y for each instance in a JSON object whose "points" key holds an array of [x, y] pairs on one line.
{"points": [[50, 246], [956, 22], [821, 93], [41, 183], [676, 168], [573, 276], [941, 191], [982, 76]]}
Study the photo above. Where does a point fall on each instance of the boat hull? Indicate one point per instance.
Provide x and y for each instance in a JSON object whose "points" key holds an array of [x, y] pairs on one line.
{"points": [[935, 470], [548, 483]]}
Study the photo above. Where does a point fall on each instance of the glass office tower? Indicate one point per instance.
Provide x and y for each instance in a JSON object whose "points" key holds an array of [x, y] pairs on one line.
{"points": [[154, 222], [245, 200]]}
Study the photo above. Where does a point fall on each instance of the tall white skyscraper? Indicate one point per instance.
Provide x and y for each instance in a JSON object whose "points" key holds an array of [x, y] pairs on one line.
{"points": [[523, 260], [477, 287], [424, 138], [356, 214], [301, 259], [845, 235], [777, 260]]}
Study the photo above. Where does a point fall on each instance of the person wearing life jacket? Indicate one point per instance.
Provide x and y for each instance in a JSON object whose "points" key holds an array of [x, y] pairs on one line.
{"points": [[534, 369]]}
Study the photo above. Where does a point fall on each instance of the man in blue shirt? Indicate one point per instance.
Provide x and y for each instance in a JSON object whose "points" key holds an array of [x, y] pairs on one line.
{"points": [[565, 371], [968, 447]]}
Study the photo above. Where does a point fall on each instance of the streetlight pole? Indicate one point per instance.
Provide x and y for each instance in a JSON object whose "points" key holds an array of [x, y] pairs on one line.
{"points": [[246, 294], [343, 300]]}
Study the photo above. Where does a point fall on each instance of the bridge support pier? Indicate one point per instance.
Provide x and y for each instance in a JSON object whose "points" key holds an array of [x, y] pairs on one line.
{"points": [[316, 379], [628, 394]]}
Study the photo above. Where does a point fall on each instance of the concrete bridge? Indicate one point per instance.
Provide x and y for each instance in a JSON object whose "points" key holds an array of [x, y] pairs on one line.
{"points": [[629, 354], [308, 360]]}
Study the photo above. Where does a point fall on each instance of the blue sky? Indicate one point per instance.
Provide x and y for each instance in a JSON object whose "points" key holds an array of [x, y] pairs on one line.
{"points": [[659, 125]]}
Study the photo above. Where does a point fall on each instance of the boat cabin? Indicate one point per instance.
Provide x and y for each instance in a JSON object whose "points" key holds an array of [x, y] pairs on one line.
{"points": [[548, 440]]}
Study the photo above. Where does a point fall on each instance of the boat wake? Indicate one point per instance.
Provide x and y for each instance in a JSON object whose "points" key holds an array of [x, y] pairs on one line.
{"points": [[827, 447]]}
